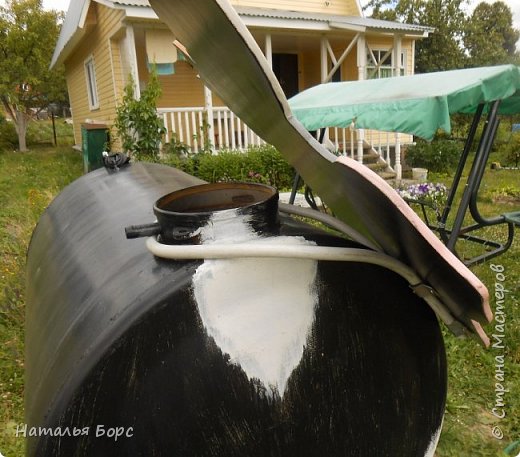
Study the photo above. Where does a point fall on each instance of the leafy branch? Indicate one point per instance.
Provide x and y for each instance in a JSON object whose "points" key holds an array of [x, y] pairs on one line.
{"points": [[138, 127]]}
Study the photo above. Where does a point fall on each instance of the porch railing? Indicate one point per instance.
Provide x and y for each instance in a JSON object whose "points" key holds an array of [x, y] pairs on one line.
{"points": [[355, 143], [190, 127]]}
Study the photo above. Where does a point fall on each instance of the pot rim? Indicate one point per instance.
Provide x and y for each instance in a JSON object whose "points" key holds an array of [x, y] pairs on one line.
{"points": [[263, 191]]}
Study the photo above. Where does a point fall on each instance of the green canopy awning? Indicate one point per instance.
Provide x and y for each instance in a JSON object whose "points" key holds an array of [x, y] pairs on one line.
{"points": [[418, 104]]}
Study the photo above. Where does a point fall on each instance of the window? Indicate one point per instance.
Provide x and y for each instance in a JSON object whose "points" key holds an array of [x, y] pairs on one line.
{"points": [[90, 74], [379, 63]]}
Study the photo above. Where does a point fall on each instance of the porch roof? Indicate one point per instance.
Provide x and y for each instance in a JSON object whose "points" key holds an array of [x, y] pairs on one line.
{"points": [[330, 21], [74, 29], [333, 21]]}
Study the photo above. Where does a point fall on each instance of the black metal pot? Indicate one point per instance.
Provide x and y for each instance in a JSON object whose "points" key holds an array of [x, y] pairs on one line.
{"points": [[181, 214]]}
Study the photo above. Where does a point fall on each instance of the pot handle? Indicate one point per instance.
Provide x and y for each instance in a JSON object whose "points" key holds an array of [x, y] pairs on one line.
{"points": [[136, 231]]}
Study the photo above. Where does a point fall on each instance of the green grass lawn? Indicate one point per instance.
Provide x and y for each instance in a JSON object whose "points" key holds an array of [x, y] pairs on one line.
{"points": [[469, 422], [29, 181]]}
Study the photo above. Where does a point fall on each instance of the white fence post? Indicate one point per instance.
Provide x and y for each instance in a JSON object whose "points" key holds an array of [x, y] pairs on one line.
{"points": [[208, 105], [186, 125], [360, 144], [397, 168]]}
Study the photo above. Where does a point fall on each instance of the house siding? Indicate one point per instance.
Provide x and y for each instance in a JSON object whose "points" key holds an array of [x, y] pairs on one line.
{"points": [[346, 7], [102, 49], [310, 74], [182, 89], [118, 76]]}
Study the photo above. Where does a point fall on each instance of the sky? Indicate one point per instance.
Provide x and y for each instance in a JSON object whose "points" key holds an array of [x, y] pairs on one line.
{"points": [[59, 5], [63, 5]]}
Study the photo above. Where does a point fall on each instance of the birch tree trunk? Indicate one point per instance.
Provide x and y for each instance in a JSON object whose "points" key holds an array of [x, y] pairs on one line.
{"points": [[20, 124]]}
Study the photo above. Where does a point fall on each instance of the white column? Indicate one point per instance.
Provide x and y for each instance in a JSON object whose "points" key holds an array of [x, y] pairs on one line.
{"points": [[396, 58], [132, 59], [269, 50], [397, 72], [324, 68], [412, 72], [360, 144], [361, 57], [208, 106], [324, 71], [362, 63]]}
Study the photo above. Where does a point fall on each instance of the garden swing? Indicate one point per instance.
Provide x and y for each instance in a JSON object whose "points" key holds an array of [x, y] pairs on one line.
{"points": [[420, 105]]}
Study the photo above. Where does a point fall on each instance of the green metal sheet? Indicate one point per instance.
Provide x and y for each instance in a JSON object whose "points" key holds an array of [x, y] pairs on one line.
{"points": [[418, 104]]}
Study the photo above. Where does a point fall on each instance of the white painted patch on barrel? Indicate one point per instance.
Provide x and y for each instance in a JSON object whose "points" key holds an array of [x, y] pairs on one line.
{"points": [[259, 311]]}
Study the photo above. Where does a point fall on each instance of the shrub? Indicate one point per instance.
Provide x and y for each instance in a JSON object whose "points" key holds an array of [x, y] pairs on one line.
{"points": [[512, 157], [260, 164], [267, 162], [441, 155], [137, 124], [8, 136], [506, 193]]}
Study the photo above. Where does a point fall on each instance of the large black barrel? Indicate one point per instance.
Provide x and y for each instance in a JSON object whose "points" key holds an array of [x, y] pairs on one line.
{"points": [[131, 355]]}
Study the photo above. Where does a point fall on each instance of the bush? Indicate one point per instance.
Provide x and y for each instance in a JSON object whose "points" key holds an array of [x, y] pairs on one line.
{"points": [[512, 151], [441, 155], [260, 164], [8, 136], [138, 126]]}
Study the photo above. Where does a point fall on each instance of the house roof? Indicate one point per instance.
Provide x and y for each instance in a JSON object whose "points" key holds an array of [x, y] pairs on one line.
{"points": [[333, 21], [74, 27], [143, 3]]}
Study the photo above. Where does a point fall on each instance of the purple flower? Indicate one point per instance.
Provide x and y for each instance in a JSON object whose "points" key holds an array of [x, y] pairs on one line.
{"points": [[429, 193]]}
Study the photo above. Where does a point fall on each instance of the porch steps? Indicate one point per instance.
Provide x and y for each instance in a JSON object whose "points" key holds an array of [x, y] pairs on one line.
{"points": [[373, 160]]}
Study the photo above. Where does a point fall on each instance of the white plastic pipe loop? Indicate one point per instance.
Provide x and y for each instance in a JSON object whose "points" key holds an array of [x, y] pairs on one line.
{"points": [[324, 253], [329, 221]]}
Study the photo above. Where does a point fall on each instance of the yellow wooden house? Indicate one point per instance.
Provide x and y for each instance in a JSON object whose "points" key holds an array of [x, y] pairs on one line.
{"points": [[306, 42]]}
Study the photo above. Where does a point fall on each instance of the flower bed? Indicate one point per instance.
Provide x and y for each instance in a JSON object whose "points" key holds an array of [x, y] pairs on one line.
{"points": [[430, 194]]}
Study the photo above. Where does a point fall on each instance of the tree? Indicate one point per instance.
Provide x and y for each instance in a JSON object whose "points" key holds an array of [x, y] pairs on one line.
{"points": [[27, 37], [443, 49], [383, 9], [490, 38]]}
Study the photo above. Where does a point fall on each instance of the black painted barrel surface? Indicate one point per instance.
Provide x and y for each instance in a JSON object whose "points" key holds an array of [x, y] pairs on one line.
{"points": [[116, 344]]}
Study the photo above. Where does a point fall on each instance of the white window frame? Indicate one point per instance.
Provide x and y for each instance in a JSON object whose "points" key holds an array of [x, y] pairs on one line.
{"points": [[90, 78], [384, 71]]}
